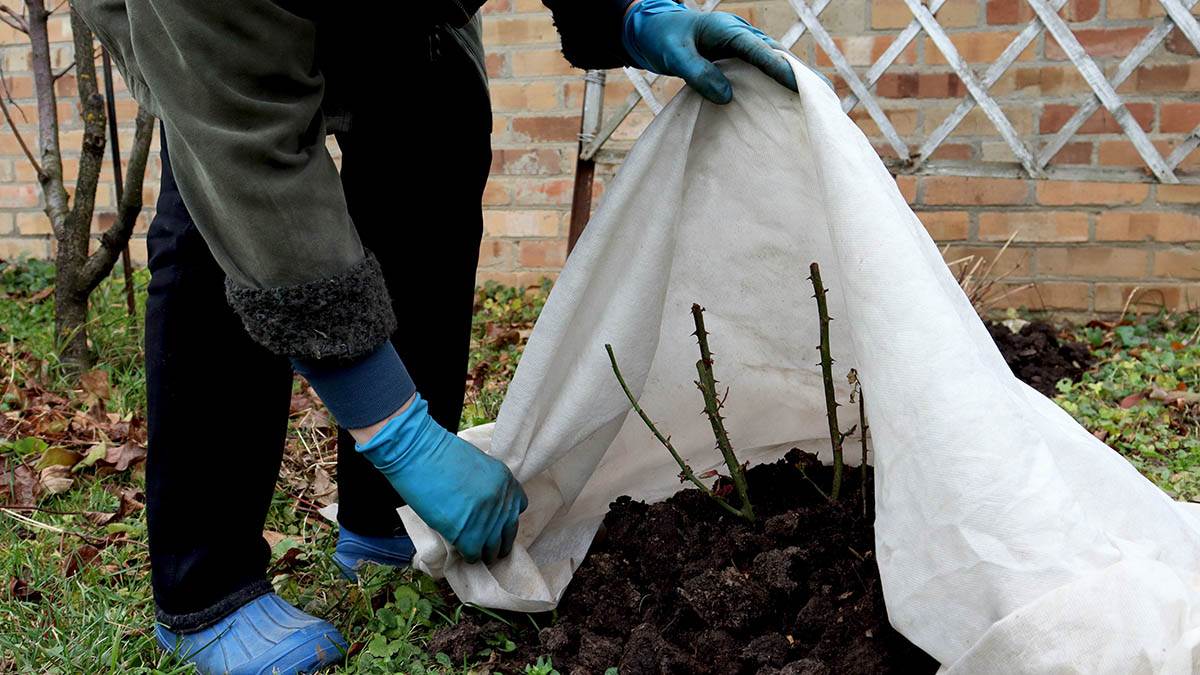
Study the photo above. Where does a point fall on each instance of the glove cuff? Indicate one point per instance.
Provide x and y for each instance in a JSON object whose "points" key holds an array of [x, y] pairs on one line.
{"points": [[635, 17], [363, 391], [389, 449]]}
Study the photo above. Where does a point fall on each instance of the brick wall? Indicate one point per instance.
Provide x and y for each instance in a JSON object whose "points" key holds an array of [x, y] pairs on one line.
{"points": [[1085, 246]]}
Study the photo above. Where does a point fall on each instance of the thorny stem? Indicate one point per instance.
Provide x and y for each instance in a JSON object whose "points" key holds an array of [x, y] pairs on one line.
{"points": [[685, 470], [712, 408], [862, 420], [831, 405]]}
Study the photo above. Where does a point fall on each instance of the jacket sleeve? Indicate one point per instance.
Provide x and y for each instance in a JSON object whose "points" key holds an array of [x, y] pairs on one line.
{"points": [[591, 31], [236, 85]]}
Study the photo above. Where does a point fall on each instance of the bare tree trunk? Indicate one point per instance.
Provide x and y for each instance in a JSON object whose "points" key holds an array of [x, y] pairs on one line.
{"points": [[79, 273]]}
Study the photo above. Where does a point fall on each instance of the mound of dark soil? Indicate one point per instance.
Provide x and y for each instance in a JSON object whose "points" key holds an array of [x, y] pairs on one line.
{"points": [[1040, 356], [684, 587]]}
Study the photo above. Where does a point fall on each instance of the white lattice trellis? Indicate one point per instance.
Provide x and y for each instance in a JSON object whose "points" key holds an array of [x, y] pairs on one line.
{"points": [[1032, 161]]}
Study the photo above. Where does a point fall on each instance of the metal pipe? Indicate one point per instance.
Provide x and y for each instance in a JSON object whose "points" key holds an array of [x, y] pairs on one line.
{"points": [[585, 169], [118, 179]]}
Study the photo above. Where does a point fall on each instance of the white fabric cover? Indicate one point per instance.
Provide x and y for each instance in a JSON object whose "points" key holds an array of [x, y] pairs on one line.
{"points": [[1009, 539]]}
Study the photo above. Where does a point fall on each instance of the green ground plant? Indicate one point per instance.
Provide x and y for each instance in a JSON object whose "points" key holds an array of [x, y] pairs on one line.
{"points": [[504, 317], [1142, 397]]}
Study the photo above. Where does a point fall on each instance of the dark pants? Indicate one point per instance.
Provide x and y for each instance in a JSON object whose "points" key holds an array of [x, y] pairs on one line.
{"points": [[414, 166]]}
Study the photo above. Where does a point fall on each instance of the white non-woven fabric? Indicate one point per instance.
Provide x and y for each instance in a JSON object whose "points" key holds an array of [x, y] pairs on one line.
{"points": [[1009, 539]]}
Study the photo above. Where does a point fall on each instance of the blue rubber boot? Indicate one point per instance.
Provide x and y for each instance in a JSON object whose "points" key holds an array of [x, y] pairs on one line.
{"points": [[354, 549], [264, 636]]}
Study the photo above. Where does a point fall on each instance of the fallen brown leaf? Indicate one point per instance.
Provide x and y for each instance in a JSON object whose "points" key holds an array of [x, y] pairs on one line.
{"points": [[1132, 400], [56, 479], [41, 295], [19, 589], [80, 557], [130, 502], [57, 456], [1175, 397], [122, 456], [323, 489], [95, 383]]}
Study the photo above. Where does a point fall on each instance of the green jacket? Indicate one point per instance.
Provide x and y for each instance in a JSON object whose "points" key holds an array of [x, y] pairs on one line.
{"points": [[240, 86]]}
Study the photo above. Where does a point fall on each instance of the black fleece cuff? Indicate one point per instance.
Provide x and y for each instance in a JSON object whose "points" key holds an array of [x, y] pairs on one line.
{"points": [[340, 317], [199, 620], [591, 32]]}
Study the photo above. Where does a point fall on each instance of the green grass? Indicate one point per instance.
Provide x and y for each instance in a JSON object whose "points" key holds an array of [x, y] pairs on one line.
{"points": [[96, 614]]}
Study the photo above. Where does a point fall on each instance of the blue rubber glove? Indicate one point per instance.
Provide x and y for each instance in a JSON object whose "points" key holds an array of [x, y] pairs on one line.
{"points": [[667, 38], [469, 498]]}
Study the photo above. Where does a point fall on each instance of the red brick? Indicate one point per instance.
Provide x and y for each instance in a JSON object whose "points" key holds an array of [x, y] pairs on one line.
{"points": [[494, 252], [945, 225], [17, 247], [495, 64], [526, 162], [1009, 262], [1041, 80], [1042, 295], [19, 196], [1142, 297], [1065, 193], [519, 30], [1055, 116], [864, 50], [1147, 226], [536, 62], [903, 120], [521, 223], [561, 129], [1178, 43], [1178, 117], [524, 96], [1123, 153], [974, 191], [543, 192], [981, 47], [1008, 12], [957, 151], [1074, 153], [1177, 264], [1179, 194], [1134, 9], [1092, 262], [1080, 10], [1033, 226], [1099, 42], [496, 193], [908, 188], [542, 253], [1173, 77], [920, 85]]}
